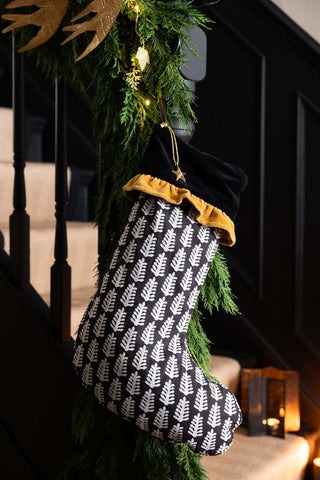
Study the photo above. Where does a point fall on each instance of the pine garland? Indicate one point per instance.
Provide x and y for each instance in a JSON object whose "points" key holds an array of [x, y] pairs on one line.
{"points": [[110, 448]]}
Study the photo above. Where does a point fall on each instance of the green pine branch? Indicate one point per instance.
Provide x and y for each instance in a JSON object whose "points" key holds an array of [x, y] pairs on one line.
{"points": [[108, 447]]}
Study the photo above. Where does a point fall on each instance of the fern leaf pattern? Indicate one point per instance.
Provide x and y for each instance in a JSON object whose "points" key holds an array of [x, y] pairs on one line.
{"points": [[138, 273], [186, 282], [143, 422], [118, 320], [147, 401], [124, 235], [115, 258], [186, 236], [158, 352], [159, 266], [168, 243], [129, 253], [158, 311], [139, 314], [105, 281], [100, 325], [128, 407], [139, 228], [168, 287], [149, 246], [131, 350], [119, 277], [178, 260], [157, 224], [149, 290]]}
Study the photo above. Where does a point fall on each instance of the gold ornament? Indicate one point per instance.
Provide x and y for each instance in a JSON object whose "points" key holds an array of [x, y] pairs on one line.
{"points": [[49, 16], [134, 78], [179, 175], [106, 13]]}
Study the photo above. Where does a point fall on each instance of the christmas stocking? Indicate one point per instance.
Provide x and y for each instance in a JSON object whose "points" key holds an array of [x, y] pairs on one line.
{"points": [[131, 349]]}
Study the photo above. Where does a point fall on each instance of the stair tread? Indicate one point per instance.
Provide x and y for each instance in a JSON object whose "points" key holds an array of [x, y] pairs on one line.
{"points": [[6, 134], [226, 370], [263, 458], [40, 190], [51, 225], [82, 253]]}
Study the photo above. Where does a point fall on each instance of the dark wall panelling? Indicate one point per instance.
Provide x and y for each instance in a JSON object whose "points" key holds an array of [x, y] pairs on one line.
{"points": [[244, 69], [259, 108], [307, 223]]}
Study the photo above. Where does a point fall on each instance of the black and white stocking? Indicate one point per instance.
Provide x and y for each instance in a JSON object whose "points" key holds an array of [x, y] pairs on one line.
{"points": [[131, 349]]}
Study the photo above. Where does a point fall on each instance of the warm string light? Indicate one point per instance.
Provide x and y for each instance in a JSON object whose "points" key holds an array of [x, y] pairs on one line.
{"points": [[139, 62]]}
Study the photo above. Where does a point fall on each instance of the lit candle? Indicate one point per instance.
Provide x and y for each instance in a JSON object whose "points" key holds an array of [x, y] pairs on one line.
{"points": [[273, 424], [316, 468]]}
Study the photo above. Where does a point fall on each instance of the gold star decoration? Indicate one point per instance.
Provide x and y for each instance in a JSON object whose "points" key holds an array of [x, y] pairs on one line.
{"points": [[179, 174]]}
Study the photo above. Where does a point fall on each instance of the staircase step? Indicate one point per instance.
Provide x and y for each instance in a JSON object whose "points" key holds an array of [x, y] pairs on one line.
{"points": [[6, 134], [262, 458], [40, 191], [82, 254], [226, 370]]}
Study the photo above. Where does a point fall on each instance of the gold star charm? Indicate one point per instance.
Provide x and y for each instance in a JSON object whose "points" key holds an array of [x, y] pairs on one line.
{"points": [[179, 175]]}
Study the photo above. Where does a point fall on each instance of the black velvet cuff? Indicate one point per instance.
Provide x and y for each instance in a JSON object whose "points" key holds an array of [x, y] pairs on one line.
{"points": [[209, 178]]}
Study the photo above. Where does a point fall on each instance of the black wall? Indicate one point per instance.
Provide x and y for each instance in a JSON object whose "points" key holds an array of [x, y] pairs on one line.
{"points": [[259, 107]]}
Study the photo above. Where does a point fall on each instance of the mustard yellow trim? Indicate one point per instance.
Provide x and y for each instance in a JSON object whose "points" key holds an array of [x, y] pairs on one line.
{"points": [[207, 214]]}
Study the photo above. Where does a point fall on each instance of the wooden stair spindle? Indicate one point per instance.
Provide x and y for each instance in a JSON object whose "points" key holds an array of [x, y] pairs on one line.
{"points": [[99, 189], [19, 219], [60, 294]]}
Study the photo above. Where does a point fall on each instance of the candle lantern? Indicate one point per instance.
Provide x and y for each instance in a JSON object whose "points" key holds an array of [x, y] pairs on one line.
{"points": [[265, 413], [270, 401]]}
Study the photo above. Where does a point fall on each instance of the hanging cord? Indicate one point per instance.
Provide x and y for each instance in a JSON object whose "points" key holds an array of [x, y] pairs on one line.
{"points": [[175, 152]]}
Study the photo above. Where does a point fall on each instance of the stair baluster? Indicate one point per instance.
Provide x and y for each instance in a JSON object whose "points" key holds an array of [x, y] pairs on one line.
{"points": [[60, 303], [99, 188], [19, 219]]}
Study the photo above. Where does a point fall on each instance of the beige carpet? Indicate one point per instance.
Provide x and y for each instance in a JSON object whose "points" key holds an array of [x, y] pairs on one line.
{"points": [[6, 134], [260, 458]]}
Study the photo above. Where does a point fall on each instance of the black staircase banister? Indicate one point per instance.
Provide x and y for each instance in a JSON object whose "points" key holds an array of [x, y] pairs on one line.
{"points": [[19, 220], [60, 295]]}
